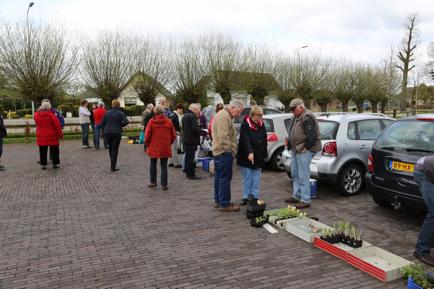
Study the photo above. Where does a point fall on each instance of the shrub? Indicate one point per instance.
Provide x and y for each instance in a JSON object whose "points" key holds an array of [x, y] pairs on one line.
{"points": [[22, 112], [134, 110]]}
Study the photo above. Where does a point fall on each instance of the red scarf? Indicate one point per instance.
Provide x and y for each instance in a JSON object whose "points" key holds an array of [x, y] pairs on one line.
{"points": [[252, 125]]}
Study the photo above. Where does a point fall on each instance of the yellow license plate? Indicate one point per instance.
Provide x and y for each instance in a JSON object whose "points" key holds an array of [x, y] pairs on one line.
{"points": [[402, 167]]}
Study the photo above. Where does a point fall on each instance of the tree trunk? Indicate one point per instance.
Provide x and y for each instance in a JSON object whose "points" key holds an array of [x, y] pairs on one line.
{"points": [[374, 105], [360, 107], [345, 106], [323, 107], [383, 107]]}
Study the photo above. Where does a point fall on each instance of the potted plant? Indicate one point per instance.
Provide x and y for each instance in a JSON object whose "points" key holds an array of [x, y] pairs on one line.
{"points": [[417, 277]]}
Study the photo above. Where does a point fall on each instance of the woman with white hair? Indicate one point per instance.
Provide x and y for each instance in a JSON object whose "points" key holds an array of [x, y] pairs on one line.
{"points": [[48, 133]]}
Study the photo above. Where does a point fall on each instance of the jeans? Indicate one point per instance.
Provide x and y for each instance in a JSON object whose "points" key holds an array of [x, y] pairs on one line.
{"points": [[153, 171], [98, 132], [92, 125], [222, 179], [251, 182], [190, 166], [54, 153], [175, 159], [113, 141], [425, 241], [300, 171], [85, 134]]}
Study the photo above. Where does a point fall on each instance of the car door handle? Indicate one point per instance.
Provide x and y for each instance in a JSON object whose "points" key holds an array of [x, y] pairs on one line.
{"points": [[363, 147], [403, 182]]}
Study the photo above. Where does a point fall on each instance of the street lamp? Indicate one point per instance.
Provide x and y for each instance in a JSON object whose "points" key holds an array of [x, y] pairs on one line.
{"points": [[28, 39], [30, 6]]}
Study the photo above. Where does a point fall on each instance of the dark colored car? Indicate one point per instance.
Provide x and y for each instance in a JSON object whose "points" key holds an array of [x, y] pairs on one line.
{"points": [[391, 163]]}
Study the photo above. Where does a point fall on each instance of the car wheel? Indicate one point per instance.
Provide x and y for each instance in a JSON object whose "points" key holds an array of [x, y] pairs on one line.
{"points": [[277, 161], [351, 180], [381, 202]]}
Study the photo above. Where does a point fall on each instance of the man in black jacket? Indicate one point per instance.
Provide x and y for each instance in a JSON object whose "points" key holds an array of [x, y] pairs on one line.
{"points": [[176, 118], [191, 139]]}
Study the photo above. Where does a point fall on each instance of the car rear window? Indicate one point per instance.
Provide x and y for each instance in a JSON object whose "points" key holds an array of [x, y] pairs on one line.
{"points": [[269, 127], [328, 129], [411, 136]]}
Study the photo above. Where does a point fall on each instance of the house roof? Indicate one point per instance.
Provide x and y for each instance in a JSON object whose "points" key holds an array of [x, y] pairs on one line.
{"points": [[241, 80], [163, 90]]}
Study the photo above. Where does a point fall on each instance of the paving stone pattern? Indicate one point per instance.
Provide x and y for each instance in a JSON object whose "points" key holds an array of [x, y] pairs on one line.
{"points": [[83, 226]]}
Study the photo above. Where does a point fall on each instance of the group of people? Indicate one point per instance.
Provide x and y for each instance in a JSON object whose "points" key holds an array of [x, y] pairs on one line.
{"points": [[168, 133]]}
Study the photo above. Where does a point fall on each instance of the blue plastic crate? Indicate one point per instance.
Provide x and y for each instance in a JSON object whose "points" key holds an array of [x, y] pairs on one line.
{"points": [[412, 285], [205, 163], [313, 188]]}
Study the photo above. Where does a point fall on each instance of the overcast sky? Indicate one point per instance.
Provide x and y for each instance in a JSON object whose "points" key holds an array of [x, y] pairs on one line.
{"points": [[362, 30]]}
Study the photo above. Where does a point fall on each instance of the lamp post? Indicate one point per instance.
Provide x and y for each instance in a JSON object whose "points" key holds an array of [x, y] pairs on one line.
{"points": [[28, 41]]}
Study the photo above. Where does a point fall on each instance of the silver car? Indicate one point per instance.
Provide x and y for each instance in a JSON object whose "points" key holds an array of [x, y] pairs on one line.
{"points": [[346, 140], [276, 127]]}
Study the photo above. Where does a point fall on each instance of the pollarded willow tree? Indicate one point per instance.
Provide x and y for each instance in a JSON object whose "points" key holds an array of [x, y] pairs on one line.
{"points": [[188, 72], [38, 59], [221, 55], [306, 75], [108, 63], [153, 68], [260, 64]]}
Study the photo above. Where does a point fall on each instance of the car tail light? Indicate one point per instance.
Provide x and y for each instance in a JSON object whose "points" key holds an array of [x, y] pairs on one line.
{"points": [[330, 149], [272, 137], [370, 163], [286, 142], [425, 118]]}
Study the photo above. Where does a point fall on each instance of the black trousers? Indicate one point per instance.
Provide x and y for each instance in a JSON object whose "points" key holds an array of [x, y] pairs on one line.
{"points": [[153, 171], [190, 151], [54, 154], [113, 141]]}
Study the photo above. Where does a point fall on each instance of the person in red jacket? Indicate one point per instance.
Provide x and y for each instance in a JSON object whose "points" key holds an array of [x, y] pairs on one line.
{"points": [[98, 115], [159, 136], [48, 133]]}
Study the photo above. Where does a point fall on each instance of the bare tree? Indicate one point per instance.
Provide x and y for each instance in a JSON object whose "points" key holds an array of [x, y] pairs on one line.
{"points": [[282, 75], [38, 59], [222, 55], [188, 71], [361, 87], [306, 75], [108, 64], [406, 56], [153, 69], [342, 82], [390, 77], [260, 63]]}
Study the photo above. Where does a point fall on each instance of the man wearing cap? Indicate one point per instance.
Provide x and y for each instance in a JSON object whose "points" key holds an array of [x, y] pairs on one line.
{"points": [[98, 115], [424, 176], [303, 141]]}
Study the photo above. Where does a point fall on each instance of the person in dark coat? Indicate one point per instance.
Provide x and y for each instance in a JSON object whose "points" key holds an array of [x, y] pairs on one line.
{"points": [[3, 134], [190, 139], [252, 152], [159, 136], [48, 133], [424, 176], [176, 118], [113, 122]]}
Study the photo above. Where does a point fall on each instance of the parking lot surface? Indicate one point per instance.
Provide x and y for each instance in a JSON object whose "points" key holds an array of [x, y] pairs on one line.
{"points": [[82, 226]]}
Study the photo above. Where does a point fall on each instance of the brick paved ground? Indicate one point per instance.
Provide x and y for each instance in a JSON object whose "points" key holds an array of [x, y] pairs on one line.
{"points": [[83, 226]]}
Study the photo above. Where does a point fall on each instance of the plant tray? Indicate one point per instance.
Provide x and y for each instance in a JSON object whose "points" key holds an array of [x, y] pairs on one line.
{"points": [[412, 285], [300, 227], [339, 250], [281, 224], [377, 262]]}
